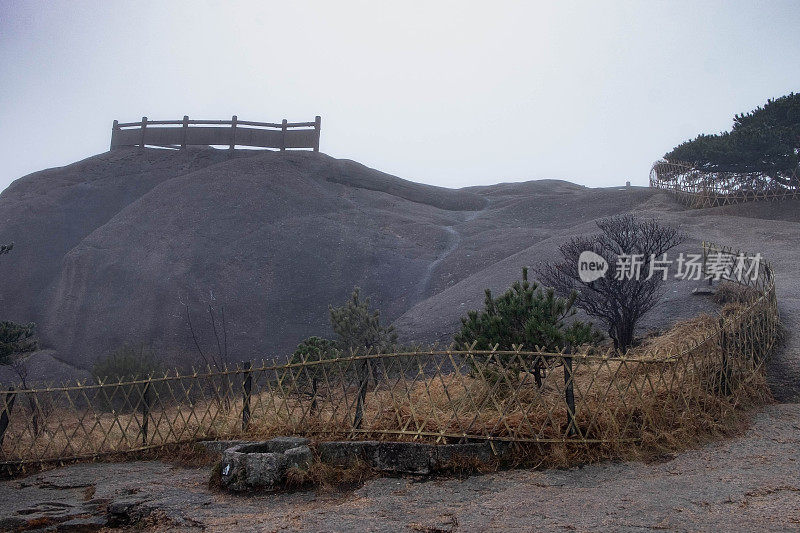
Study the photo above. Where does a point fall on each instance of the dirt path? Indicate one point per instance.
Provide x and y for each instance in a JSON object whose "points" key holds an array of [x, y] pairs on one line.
{"points": [[453, 241]]}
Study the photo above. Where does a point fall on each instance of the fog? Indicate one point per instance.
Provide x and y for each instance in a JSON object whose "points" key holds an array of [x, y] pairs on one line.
{"points": [[451, 94]]}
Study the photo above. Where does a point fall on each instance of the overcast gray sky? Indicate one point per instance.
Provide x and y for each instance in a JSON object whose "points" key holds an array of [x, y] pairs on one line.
{"points": [[447, 93]]}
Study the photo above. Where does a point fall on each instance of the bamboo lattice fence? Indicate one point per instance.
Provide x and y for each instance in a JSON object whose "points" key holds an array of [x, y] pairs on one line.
{"points": [[698, 188], [519, 396]]}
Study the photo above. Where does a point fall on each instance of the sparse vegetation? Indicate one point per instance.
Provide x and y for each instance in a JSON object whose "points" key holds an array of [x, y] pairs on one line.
{"points": [[15, 340], [128, 363], [219, 358], [315, 348], [619, 302], [328, 476], [525, 315], [358, 328]]}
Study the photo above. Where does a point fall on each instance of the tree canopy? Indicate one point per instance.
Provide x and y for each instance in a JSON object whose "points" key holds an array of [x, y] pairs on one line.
{"points": [[524, 315], [765, 141]]}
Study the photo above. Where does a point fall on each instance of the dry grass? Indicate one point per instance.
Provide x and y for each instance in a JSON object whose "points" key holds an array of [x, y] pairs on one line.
{"points": [[674, 391], [187, 455], [733, 293], [327, 477]]}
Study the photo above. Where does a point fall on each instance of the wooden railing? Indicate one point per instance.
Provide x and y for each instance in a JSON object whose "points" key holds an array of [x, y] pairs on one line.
{"points": [[182, 133]]}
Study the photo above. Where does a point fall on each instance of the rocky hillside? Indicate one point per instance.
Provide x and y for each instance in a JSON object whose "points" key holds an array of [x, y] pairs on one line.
{"points": [[117, 247]]}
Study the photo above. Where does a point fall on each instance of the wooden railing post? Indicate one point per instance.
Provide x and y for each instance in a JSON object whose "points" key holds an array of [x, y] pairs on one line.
{"points": [[145, 412], [233, 133], [5, 415], [185, 131], [144, 127], [362, 395], [317, 129], [246, 394], [724, 379], [569, 393], [283, 135], [114, 129]]}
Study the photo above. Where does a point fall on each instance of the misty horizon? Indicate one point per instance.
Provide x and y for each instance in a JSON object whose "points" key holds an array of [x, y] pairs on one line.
{"points": [[449, 95]]}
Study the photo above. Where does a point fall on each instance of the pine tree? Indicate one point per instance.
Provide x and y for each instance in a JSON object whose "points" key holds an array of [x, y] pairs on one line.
{"points": [[524, 315], [762, 147], [359, 329], [16, 339]]}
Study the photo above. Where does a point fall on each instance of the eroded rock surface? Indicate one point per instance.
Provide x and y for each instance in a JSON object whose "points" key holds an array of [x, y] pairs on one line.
{"points": [[746, 483]]}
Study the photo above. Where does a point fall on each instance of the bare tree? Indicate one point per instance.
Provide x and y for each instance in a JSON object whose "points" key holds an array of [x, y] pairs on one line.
{"points": [[617, 301], [220, 359]]}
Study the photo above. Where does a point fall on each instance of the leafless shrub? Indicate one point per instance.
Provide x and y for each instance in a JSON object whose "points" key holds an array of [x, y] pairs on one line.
{"points": [[618, 303]]}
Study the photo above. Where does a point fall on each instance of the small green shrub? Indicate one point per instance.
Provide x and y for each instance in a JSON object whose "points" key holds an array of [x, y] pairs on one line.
{"points": [[126, 364], [16, 339], [359, 328], [523, 315]]}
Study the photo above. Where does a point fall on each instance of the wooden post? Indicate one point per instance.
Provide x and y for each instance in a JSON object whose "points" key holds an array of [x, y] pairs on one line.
{"points": [[144, 127], [185, 131], [724, 379], [537, 371], [145, 411], [283, 135], [705, 255], [246, 394], [569, 393], [313, 395], [114, 129], [5, 415], [362, 395], [317, 129], [233, 133]]}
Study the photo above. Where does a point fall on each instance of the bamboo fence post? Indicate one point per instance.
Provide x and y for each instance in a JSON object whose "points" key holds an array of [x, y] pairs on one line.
{"points": [[233, 133], [247, 390], [144, 127], [569, 393], [317, 131], [185, 131], [283, 135], [5, 416], [145, 411]]}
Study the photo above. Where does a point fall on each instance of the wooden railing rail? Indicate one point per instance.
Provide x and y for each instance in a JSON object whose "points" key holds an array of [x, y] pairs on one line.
{"points": [[182, 133]]}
